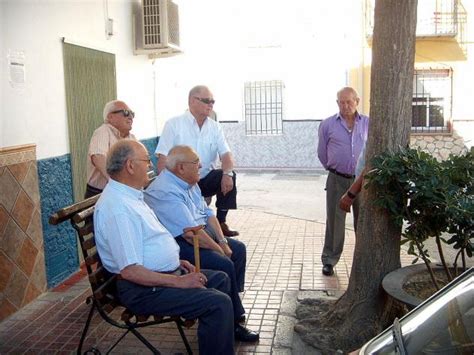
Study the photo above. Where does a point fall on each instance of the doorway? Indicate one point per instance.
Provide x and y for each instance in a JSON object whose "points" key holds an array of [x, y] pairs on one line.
{"points": [[90, 82]]}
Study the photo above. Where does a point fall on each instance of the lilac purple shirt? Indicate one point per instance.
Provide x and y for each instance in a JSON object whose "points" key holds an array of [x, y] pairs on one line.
{"points": [[338, 147]]}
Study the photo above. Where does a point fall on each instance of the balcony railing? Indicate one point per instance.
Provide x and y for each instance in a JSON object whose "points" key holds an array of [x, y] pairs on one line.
{"points": [[436, 18]]}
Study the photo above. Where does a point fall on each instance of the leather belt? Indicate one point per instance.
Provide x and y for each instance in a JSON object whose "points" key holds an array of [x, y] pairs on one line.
{"points": [[347, 176]]}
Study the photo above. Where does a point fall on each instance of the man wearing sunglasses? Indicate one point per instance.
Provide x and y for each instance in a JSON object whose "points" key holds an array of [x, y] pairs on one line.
{"points": [[118, 120], [194, 128]]}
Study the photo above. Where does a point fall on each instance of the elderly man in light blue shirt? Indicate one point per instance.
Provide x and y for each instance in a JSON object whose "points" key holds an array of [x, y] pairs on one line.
{"points": [[176, 199], [195, 129]]}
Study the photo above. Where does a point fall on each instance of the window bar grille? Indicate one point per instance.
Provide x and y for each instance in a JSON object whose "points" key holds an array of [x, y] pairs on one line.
{"points": [[432, 101], [263, 107]]}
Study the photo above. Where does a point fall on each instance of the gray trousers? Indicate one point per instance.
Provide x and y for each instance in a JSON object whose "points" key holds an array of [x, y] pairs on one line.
{"points": [[336, 186]]}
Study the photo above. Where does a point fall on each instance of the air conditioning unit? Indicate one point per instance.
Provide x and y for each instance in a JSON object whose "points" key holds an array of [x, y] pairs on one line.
{"points": [[156, 25]]}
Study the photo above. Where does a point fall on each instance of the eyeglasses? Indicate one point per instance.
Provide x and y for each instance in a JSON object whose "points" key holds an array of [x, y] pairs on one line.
{"points": [[196, 162], [125, 113], [146, 160], [206, 100]]}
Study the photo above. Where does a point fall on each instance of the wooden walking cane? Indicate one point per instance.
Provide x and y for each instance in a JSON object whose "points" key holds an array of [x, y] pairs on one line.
{"points": [[197, 258]]}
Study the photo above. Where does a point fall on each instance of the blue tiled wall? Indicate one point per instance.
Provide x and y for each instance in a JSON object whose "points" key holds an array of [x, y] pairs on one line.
{"points": [[60, 246], [60, 242], [150, 145]]}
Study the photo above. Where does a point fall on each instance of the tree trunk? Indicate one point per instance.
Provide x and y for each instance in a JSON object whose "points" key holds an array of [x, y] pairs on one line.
{"points": [[377, 248], [363, 310]]}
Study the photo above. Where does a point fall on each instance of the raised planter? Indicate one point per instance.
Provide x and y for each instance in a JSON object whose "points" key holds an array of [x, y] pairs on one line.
{"points": [[393, 283]]}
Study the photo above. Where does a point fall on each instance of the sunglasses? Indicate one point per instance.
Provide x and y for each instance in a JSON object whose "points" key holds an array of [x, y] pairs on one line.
{"points": [[125, 113], [205, 100]]}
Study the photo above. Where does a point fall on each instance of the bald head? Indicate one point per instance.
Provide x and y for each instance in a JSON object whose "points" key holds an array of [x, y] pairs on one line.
{"points": [[348, 90], [118, 155], [179, 154], [347, 100], [184, 162], [197, 91], [128, 162]]}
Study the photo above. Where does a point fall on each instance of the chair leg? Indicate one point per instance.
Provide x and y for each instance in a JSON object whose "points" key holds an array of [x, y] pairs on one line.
{"points": [[183, 336], [144, 341], [86, 326]]}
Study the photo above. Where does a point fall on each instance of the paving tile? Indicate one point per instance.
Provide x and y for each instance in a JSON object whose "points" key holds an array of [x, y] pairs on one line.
{"points": [[283, 260]]}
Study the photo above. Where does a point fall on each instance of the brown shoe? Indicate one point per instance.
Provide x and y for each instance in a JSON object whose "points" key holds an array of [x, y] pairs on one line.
{"points": [[227, 232]]}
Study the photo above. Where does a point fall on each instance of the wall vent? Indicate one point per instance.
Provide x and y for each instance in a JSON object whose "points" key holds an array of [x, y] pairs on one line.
{"points": [[156, 24]]}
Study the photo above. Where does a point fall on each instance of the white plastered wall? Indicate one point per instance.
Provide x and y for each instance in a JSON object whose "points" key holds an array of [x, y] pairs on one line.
{"points": [[36, 111], [310, 45]]}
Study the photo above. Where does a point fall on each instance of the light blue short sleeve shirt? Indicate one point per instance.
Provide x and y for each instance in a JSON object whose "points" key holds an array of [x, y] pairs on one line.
{"points": [[177, 204], [127, 232]]}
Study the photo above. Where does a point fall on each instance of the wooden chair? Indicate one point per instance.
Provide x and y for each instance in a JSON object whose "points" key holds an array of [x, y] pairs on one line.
{"points": [[104, 299]]}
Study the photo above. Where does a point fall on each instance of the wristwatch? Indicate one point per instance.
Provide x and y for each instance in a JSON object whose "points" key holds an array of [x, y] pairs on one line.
{"points": [[229, 173], [222, 241]]}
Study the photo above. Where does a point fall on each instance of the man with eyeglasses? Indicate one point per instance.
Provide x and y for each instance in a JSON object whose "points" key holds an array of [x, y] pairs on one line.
{"points": [[151, 278], [176, 199], [205, 136], [118, 120]]}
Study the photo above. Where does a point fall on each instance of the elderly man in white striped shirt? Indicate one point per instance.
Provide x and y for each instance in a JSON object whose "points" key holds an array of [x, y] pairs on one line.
{"points": [[118, 121]]}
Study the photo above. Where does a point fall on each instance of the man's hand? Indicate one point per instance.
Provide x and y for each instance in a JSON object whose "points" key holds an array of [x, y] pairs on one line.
{"points": [[186, 265], [226, 249], [345, 203], [227, 184], [193, 280]]}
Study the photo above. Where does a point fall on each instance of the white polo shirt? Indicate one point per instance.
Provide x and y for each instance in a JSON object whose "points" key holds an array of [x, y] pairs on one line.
{"points": [[209, 141]]}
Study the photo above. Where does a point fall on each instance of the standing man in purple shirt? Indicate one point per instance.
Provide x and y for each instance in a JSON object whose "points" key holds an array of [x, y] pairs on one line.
{"points": [[341, 138]]}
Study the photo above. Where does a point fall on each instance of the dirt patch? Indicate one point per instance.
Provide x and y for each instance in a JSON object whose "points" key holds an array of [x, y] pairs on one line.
{"points": [[421, 286]]}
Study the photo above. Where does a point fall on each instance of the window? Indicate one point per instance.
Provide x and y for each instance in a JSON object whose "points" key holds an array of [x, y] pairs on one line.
{"points": [[431, 104], [263, 107]]}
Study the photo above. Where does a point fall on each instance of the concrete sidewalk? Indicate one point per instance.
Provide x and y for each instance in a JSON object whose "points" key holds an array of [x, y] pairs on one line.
{"points": [[280, 219]]}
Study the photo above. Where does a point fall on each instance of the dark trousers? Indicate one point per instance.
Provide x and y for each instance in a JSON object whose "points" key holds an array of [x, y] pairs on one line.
{"points": [[233, 267], [210, 185], [212, 306], [91, 191]]}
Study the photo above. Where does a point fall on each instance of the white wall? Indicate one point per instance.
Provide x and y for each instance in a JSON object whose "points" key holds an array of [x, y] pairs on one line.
{"points": [[36, 113], [2, 75], [308, 44]]}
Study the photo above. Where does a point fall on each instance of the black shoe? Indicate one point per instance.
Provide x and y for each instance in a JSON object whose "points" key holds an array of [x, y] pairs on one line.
{"points": [[227, 232], [244, 334], [328, 270], [241, 319]]}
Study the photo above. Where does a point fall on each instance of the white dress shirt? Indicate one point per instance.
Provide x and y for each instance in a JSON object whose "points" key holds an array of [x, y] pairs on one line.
{"points": [[208, 141]]}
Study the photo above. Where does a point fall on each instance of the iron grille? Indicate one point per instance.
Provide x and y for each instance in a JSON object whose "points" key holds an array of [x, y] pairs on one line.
{"points": [[264, 107], [432, 101], [151, 23], [160, 23]]}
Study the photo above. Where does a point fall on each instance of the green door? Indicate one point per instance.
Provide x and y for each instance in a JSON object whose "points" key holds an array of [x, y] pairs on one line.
{"points": [[90, 82]]}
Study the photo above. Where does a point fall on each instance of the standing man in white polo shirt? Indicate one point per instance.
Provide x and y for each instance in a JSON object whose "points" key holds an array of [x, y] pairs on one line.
{"points": [[205, 136]]}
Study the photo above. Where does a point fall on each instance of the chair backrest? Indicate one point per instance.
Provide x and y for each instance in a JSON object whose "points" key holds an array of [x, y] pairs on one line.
{"points": [[102, 282]]}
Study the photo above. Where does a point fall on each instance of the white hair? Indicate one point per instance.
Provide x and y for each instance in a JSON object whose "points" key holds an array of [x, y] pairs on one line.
{"points": [[176, 155], [108, 108], [348, 89]]}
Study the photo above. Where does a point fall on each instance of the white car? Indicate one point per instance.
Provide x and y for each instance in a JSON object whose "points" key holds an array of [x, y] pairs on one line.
{"points": [[443, 324]]}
